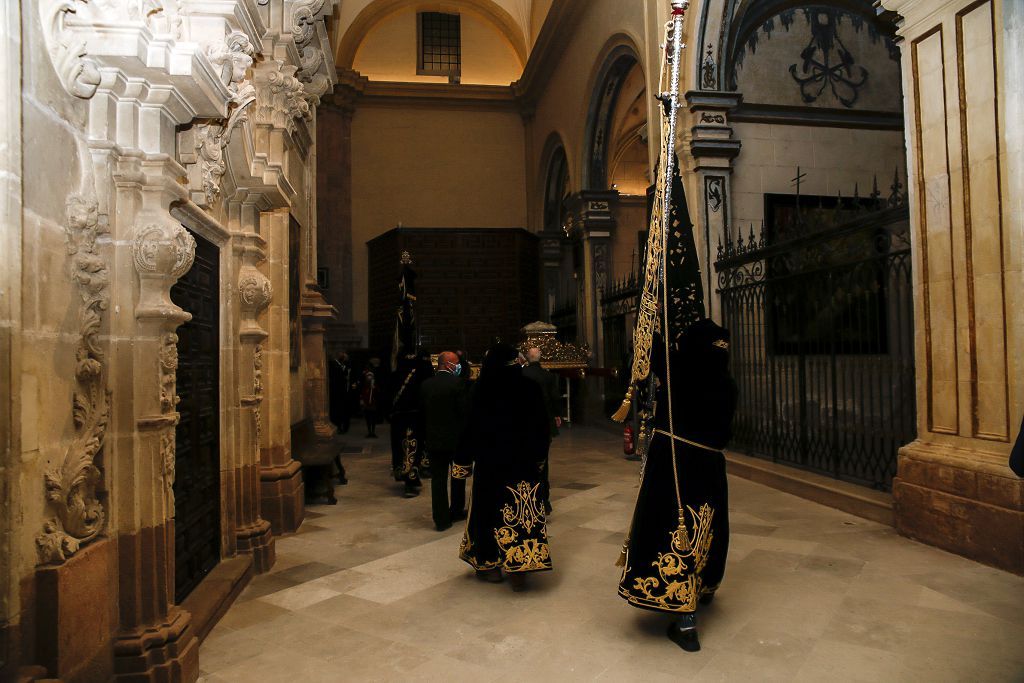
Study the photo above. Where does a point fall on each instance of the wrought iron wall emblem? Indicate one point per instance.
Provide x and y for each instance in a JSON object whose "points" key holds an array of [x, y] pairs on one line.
{"points": [[714, 197], [827, 63], [709, 70]]}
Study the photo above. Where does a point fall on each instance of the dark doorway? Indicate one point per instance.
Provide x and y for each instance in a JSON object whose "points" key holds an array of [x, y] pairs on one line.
{"points": [[197, 437]]}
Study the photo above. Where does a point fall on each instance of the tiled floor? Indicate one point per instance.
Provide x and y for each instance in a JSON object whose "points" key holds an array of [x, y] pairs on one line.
{"points": [[368, 590]]}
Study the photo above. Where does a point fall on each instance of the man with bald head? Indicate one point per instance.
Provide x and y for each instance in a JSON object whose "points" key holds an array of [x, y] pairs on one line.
{"points": [[552, 404], [443, 412]]}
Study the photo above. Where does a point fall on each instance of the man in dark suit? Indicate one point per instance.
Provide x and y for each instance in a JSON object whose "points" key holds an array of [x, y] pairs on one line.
{"points": [[548, 382], [443, 415]]}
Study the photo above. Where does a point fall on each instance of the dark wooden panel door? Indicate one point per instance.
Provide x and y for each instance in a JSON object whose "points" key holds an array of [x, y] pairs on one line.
{"points": [[197, 437]]}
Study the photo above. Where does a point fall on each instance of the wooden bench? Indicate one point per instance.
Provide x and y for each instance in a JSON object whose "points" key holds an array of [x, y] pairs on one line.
{"points": [[320, 459]]}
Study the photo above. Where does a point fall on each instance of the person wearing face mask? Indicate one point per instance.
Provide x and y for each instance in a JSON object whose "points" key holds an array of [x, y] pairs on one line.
{"points": [[443, 413]]}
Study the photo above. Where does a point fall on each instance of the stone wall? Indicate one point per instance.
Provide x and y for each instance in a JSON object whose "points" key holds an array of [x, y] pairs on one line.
{"points": [[141, 127]]}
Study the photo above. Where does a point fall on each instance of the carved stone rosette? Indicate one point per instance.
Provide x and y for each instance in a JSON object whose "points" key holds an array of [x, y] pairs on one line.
{"points": [[71, 486]]}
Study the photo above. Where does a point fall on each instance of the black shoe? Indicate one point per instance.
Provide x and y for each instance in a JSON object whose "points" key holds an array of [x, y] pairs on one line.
{"points": [[411, 491], [518, 582], [459, 516], [547, 507], [706, 599], [342, 481], [683, 633], [443, 527], [489, 575], [371, 436]]}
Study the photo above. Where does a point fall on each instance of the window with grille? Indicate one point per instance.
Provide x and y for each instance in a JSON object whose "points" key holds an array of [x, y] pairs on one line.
{"points": [[440, 48]]}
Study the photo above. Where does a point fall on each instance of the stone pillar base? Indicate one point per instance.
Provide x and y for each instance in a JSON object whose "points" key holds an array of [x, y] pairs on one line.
{"points": [[258, 541], [75, 617], [165, 653], [282, 496], [964, 502]]}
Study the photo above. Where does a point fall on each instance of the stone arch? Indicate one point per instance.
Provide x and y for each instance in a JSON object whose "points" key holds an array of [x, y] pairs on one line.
{"points": [[556, 177], [618, 57], [379, 10], [744, 17]]}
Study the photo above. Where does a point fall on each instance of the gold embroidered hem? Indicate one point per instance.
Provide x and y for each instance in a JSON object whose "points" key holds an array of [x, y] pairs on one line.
{"points": [[675, 585], [524, 550], [466, 555], [461, 472], [513, 537], [410, 444]]}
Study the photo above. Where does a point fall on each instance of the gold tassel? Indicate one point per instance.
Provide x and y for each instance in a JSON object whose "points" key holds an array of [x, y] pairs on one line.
{"points": [[623, 412], [621, 562]]}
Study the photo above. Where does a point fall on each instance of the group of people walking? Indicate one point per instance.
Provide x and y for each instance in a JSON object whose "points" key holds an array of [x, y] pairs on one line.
{"points": [[498, 430]]}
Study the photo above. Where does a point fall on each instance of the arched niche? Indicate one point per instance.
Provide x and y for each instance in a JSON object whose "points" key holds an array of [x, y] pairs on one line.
{"points": [[619, 92]]}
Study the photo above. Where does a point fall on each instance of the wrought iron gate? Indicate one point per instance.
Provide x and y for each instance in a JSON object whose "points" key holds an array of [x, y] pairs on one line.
{"points": [[821, 314], [197, 436]]}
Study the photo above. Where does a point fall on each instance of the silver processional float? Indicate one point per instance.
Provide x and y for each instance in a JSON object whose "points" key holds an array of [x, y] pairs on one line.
{"points": [[654, 292]]}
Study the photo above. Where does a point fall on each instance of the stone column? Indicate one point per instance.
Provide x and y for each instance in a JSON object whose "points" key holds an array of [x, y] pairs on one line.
{"points": [[252, 533], [334, 205], [282, 493], [712, 148], [962, 92]]}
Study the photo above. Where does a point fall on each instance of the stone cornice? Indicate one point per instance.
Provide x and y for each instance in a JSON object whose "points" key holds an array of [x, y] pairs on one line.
{"points": [[439, 95]]}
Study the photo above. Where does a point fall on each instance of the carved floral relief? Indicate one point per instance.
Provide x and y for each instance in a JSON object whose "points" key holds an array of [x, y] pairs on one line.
{"points": [[71, 486]]}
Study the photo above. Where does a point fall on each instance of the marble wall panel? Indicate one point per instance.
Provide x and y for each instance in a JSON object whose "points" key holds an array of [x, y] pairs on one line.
{"points": [[979, 131], [936, 239]]}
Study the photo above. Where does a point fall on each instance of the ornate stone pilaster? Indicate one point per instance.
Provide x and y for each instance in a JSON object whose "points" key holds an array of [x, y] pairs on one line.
{"points": [[953, 487], [282, 495], [713, 149], [253, 534], [593, 224]]}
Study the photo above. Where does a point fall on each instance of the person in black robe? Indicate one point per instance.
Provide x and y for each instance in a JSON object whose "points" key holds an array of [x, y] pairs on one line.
{"points": [[443, 416], [503, 448], [679, 538], [548, 383], [406, 444], [339, 376]]}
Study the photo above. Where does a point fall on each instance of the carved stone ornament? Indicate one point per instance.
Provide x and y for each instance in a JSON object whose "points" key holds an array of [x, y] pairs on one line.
{"points": [[169, 373], [71, 486], [257, 390], [162, 252], [254, 289], [167, 456], [283, 100], [304, 17], [68, 26]]}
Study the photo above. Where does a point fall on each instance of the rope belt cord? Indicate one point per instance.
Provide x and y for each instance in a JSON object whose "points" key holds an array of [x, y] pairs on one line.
{"points": [[687, 441]]}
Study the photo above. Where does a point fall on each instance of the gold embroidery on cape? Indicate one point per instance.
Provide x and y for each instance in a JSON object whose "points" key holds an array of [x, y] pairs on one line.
{"points": [[409, 446], [520, 517], [678, 584], [460, 472]]}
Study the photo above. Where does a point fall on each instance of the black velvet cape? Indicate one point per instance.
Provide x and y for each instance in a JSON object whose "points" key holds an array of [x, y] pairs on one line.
{"points": [[674, 557], [504, 447]]}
